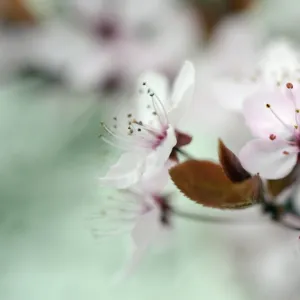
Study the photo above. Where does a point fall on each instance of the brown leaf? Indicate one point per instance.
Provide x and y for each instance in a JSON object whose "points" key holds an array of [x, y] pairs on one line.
{"points": [[16, 11], [206, 183], [231, 164], [275, 187]]}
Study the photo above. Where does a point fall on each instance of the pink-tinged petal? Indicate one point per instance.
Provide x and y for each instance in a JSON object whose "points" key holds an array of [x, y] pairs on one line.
{"points": [[231, 94], [161, 154], [271, 159], [153, 181], [183, 92], [146, 229], [126, 172], [270, 112]]}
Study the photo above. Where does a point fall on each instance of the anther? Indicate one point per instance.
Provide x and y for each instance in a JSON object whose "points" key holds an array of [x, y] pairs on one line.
{"points": [[272, 137], [152, 94], [278, 83], [286, 152], [289, 85], [139, 129], [296, 126], [129, 115], [144, 83], [268, 105], [154, 113], [115, 118], [297, 111]]}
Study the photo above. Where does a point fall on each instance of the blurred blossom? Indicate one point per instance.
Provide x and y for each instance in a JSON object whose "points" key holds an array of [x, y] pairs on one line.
{"points": [[141, 209], [230, 78], [107, 44]]}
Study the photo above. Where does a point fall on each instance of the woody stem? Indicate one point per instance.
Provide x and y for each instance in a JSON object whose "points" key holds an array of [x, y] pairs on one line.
{"points": [[206, 219], [184, 153]]}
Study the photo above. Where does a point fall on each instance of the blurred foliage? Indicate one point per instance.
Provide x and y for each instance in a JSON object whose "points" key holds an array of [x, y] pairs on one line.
{"points": [[15, 11], [213, 11]]}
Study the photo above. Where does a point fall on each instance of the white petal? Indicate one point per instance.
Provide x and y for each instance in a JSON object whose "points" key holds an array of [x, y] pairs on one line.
{"points": [[126, 172], [266, 157], [159, 157], [183, 92], [146, 228], [231, 94], [153, 181], [265, 121]]}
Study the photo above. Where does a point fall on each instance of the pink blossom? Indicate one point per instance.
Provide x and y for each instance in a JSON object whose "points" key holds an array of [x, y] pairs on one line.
{"points": [[273, 117], [142, 209], [148, 132]]}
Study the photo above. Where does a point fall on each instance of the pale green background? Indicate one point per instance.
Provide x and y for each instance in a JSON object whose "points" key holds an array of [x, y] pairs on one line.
{"points": [[47, 250]]}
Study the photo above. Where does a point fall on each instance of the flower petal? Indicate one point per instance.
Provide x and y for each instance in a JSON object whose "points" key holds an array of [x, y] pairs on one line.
{"points": [[146, 228], [267, 158], [159, 157], [126, 172], [183, 91], [278, 119], [231, 94], [153, 181]]}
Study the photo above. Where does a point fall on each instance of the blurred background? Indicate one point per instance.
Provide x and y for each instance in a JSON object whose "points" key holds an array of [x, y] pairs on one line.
{"points": [[64, 67]]}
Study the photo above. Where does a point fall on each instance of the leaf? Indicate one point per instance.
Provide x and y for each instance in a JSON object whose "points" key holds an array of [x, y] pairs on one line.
{"points": [[275, 187], [16, 11], [206, 183], [231, 164]]}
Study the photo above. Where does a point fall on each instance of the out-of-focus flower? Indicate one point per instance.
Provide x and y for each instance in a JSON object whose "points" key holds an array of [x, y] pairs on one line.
{"points": [[142, 209], [112, 42], [276, 65], [273, 116], [231, 78], [148, 133]]}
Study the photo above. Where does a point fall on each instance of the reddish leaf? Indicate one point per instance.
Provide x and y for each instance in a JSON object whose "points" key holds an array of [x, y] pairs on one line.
{"points": [[15, 11], [206, 183], [231, 164]]}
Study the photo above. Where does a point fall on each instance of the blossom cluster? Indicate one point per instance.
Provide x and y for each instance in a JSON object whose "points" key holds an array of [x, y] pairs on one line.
{"points": [[150, 137]]}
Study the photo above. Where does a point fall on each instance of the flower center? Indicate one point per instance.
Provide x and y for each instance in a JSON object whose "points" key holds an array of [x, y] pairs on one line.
{"points": [[133, 132]]}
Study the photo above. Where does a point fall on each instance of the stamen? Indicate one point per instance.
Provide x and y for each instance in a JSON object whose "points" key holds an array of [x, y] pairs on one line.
{"points": [[120, 137], [153, 95], [289, 85], [285, 152], [272, 137], [154, 98], [278, 118], [148, 128]]}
